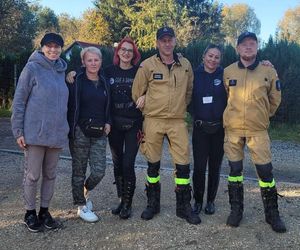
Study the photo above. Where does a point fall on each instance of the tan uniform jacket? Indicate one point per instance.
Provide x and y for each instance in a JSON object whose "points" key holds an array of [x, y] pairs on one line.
{"points": [[253, 96], [168, 92]]}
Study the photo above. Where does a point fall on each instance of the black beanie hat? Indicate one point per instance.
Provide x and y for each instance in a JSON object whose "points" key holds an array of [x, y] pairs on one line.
{"points": [[52, 37]]}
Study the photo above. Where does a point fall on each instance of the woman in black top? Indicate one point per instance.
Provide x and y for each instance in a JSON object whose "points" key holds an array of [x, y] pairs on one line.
{"points": [[89, 121], [126, 123], [208, 103]]}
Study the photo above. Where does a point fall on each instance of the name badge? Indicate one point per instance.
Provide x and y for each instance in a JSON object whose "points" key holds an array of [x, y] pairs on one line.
{"points": [[207, 99], [157, 76]]}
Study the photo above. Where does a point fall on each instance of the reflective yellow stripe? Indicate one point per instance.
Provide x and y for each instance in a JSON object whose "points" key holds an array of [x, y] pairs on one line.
{"points": [[235, 178], [181, 181], [266, 184], [153, 179]]}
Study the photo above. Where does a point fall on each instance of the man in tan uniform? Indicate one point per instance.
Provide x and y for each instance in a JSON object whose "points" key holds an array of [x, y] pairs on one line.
{"points": [[253, 96], [162, 88]]}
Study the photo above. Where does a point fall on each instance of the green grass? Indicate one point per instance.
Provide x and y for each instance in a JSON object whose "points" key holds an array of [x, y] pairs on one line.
{"points": [[5, 112], [285, 132]]}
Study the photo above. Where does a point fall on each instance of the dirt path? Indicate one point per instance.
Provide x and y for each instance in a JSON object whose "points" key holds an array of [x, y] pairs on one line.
{"points": [[165, 231]]}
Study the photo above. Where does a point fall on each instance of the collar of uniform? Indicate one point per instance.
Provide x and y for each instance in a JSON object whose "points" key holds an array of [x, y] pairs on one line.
{"points": [[175, 56], [251, 67]]}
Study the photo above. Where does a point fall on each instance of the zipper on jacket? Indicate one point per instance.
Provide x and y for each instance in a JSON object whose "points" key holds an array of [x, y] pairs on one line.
{"points": [[76, 91], [175, 80]]}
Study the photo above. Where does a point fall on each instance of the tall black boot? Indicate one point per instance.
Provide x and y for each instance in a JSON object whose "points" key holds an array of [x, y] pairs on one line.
{"points": [[183, 205], [129, 188], [153, 206], [269, 197], [236, 200], [119, 184]]}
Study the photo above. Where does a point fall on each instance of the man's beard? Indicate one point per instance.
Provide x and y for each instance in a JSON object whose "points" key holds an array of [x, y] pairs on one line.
{"points": [[248, 58]]}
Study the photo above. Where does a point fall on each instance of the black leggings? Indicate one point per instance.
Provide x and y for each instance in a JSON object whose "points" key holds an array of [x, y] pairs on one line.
{"points": [[207, 148], [124, 147]]}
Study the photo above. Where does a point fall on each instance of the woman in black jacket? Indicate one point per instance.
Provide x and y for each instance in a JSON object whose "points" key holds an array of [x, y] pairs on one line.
{"points": [[209, 100], [126, 123], [89, 121]]}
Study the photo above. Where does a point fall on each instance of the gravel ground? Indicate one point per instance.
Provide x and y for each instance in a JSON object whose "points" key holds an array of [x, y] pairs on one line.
{"points": [[165, 231]]}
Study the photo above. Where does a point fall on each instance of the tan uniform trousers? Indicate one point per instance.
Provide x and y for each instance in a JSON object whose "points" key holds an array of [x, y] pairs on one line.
{"points": [[175, 130], [258, 145]]}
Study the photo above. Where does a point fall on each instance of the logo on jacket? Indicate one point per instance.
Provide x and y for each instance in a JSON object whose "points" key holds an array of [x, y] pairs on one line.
{"points": [[217, 82], [111, 80], [232, 82]]}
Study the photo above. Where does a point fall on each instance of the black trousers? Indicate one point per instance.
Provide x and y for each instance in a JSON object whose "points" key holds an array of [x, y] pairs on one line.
{"points": [[207, 150], [124, 147]]}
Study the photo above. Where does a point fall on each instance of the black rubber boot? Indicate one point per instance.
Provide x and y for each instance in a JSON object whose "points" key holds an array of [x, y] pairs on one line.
{"points": [[119, 185], [129, 188], [197, 207], [236, 200], [269, 197], [153, 206], [209, 208], [183, 205]]}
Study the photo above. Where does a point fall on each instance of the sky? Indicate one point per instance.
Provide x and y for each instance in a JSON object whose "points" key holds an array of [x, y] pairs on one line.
{"points": [[269, 12]]}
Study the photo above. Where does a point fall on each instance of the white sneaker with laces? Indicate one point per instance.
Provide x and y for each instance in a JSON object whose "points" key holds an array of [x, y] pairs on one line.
{"points": [[86, 214]]}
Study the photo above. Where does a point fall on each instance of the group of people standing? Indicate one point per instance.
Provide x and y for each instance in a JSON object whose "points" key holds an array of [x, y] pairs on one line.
{"points": [[137, 107]]}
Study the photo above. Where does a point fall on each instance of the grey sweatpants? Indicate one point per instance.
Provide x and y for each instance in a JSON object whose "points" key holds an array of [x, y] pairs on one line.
{"points": [[86, 150], [39, 159]]}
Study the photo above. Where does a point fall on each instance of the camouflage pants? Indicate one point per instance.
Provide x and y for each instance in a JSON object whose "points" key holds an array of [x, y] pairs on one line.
{"points": [[86, 150]]}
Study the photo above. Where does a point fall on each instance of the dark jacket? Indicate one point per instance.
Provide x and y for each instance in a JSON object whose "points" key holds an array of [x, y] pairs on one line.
{"points": [[74, 100], [208, 85]]}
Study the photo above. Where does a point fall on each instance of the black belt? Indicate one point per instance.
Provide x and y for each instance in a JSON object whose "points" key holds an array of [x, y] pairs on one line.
{"points": [[200, 123]]}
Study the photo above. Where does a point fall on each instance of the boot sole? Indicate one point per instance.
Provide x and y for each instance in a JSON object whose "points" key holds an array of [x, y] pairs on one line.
{"points": [[149, 218], [234, 225], [115, 212], [40, 229], [185, 218], [231, 225], [277, 231]]}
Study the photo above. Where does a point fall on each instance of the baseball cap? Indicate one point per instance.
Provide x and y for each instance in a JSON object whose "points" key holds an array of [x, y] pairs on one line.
{"points": [[245, 35], [165, 31], [52, 37]]}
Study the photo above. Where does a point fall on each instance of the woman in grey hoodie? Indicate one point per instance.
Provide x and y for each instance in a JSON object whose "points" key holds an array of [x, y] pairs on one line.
{"points": [[39, 124]]}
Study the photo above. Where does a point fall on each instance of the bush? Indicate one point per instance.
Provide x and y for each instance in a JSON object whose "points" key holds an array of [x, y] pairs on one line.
{"points": [[5, 112]]}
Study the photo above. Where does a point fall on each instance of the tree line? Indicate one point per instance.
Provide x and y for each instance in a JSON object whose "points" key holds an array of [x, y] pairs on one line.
{"points": [[196, 23]]}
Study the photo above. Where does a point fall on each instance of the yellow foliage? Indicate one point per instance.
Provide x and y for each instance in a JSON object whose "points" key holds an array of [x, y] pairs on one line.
{"points": [[94, 29], [238, 18], [289, 26]]}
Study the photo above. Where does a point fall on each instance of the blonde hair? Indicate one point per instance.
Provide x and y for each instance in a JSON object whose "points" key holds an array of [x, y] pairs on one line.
{"points": [[92, 50]]}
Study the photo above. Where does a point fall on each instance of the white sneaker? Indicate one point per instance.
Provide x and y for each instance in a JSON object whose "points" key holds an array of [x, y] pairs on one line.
{"points": [[86, 214]]}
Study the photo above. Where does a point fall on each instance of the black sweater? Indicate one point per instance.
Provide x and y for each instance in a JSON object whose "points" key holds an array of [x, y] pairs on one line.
{"points": [[98, 106], [208, 85], [120, 85]]}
